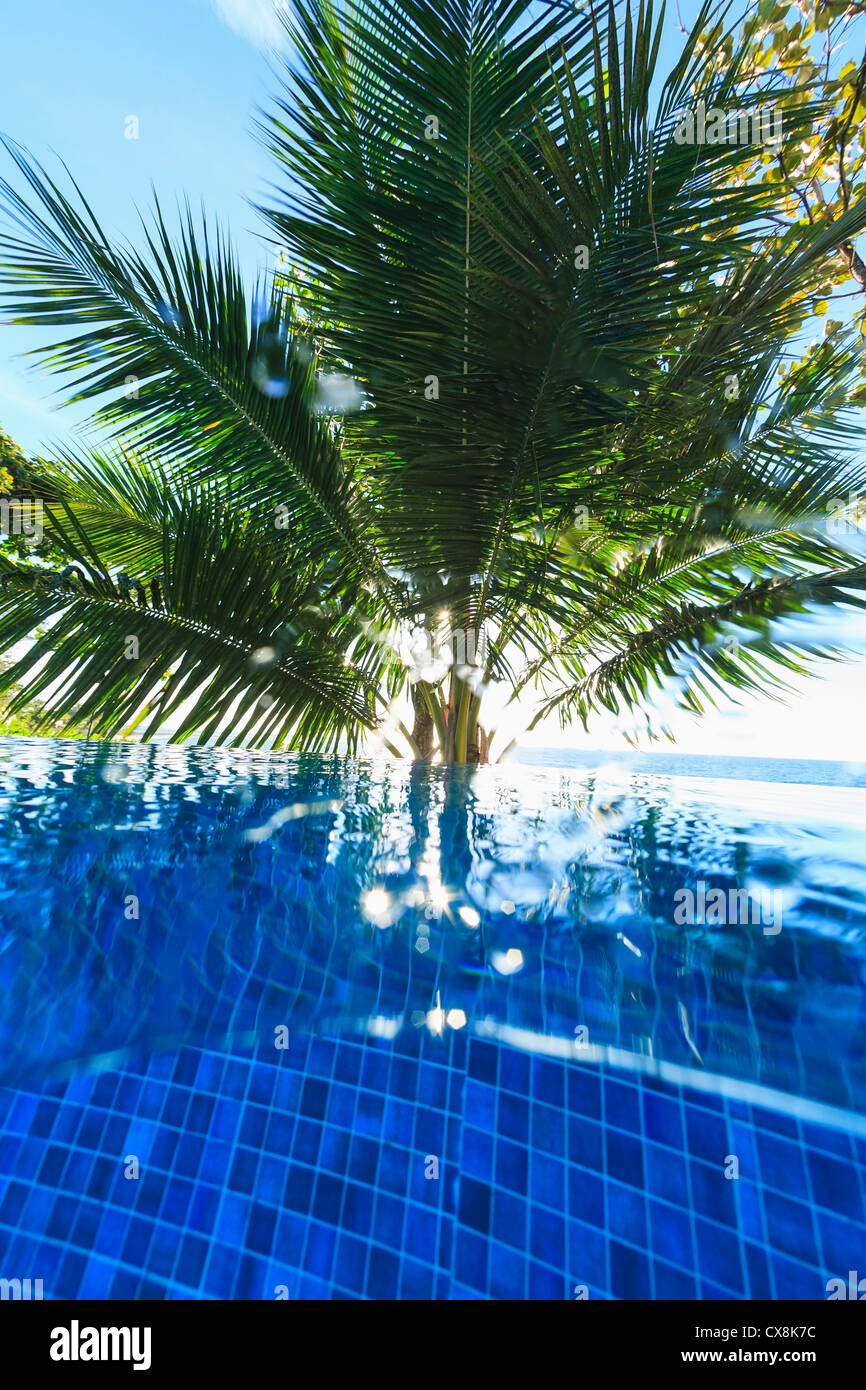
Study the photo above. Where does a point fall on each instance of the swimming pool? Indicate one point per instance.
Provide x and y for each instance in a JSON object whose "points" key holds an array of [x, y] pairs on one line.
{"points": [[280, 1026]]}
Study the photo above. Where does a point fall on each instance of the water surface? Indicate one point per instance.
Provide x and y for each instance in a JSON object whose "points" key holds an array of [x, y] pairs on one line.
{"points": [[152, 895]]}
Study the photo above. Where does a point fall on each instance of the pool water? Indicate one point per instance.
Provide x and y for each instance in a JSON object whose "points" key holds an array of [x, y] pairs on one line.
{"points": [[277, 1026]]}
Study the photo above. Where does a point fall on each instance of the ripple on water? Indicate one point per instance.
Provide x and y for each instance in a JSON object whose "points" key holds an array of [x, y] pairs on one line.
{"points": [[151, 893]]}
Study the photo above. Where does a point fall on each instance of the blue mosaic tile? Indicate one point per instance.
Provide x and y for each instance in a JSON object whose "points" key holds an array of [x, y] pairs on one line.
{"points": [[272, 1183]]}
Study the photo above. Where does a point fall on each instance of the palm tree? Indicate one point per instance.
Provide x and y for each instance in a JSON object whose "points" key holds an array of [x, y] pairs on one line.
{"points": [[513, 378]]}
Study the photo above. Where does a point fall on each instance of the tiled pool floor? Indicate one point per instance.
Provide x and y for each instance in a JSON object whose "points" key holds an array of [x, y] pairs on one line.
{"points": [[417, 1168]]}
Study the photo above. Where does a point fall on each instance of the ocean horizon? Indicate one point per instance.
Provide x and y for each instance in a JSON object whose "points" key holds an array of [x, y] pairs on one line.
{"points": [[821, 772]]}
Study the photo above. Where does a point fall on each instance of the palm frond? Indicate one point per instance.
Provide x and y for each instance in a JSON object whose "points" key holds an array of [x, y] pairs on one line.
{"points": [[191, 372], [222, 637]]}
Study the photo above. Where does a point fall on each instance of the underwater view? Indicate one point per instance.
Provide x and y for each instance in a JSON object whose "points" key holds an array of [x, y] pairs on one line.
{"points": [[290, 1026]]}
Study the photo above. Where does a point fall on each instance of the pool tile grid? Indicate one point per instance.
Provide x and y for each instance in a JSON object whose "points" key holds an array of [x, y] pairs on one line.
{"points": [[306, 1171]]}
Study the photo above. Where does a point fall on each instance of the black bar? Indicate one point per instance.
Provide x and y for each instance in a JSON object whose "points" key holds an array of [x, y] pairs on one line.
{"points": [[232, 1339]]}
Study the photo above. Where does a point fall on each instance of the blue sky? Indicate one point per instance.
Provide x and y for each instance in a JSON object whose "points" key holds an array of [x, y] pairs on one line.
{"points": [[73, 73], [193, 73]]}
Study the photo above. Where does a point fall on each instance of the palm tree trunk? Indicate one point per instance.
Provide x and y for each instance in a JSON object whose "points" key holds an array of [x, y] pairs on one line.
{"points": [[462, 702], [434, 709], [423, 728], [452, 723]]}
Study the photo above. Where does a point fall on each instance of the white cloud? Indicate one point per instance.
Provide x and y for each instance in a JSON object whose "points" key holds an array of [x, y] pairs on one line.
{"points": [[255, 20]]}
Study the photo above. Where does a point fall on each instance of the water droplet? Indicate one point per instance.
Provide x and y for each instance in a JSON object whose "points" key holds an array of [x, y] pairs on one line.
{"points": [[114, 773], [507, 962], [338, 395], [172, 318], [268, 379], [269, 368], [262, 657]]}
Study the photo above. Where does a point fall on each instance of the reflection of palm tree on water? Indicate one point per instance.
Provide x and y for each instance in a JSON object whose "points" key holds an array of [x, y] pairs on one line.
{"points": [[546, 919]]}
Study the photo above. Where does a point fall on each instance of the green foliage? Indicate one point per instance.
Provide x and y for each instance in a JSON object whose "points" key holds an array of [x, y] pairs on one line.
{"points": [[32, 718], [581, 431], [812, 49]]}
